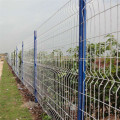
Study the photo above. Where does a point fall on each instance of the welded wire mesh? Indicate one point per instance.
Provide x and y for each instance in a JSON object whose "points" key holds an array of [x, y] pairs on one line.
{"points": [[58, 40], [19, 61], [57, 62], [28, 64], [9, 59], [102, 93], [13, 59]]}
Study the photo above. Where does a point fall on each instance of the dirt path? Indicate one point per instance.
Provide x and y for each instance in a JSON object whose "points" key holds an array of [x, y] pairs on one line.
{"points": [[1, 67]]}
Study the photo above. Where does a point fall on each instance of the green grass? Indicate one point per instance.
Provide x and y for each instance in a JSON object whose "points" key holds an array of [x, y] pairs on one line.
{"points": [[11, 99]]}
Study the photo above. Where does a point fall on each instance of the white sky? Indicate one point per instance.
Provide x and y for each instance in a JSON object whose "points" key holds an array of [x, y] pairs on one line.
{"points": [[19, 18]]}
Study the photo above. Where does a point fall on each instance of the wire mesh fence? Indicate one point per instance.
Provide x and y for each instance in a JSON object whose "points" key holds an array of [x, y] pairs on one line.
{"points": [[102, 81], [57, 49], [28, 64], [73, 64]]}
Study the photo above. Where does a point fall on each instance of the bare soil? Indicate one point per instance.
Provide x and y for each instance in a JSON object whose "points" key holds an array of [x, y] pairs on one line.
{"points": [[34, 108]]}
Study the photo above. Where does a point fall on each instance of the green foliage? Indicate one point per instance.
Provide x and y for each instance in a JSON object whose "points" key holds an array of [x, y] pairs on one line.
{"points": [[100, 54], [46, 117], [64, 69], [20, 58]]}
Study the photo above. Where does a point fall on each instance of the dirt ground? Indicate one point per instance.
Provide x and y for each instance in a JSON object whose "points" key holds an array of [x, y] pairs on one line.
{"points": [[1, 67]]}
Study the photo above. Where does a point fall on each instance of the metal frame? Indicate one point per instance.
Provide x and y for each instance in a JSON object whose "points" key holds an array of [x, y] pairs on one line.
{"points": [[35, 64], [82, 57], [16, 60], [22, 61]]}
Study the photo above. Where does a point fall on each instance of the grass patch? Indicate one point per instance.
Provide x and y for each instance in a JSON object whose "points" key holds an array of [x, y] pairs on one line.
{"points": [[11, 99], [45, 117]]}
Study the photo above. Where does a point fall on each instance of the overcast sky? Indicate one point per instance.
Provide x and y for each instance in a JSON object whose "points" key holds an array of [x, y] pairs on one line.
{"points": [[19, 18]]}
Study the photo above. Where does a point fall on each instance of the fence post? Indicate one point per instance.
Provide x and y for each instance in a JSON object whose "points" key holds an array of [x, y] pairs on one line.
{"points": [[35, 64], [16, 61], [22, 61], [82, 57]]}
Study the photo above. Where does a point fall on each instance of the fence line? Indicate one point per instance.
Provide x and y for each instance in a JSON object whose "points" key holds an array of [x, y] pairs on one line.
{"points": [[72, 66]]}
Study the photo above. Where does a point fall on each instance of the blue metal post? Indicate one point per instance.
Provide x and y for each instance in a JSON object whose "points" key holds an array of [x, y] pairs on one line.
{"points": [[16, 61], [35, 64], [82, 57], [22, 62]]}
